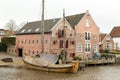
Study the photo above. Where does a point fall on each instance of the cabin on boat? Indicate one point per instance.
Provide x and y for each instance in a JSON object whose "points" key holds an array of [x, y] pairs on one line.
{"points": [[81, 36]]}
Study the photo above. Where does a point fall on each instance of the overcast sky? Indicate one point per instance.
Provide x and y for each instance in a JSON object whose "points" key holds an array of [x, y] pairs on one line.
{"points": [[106, 13]]}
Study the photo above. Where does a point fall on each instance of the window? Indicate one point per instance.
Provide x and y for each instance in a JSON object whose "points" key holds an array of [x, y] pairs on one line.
{"points": [[80, 37], [21, 42], [37, 30], [87, 23], [55, 42], [33, 52], [87, 35], [29, 30], [95, 48], [87, 47], [29, 41], [67, 44], [33, 41], [37, 41], [46, 41], [61, 44], [72, 55], [23, 31], [79, 47], [108, 46], [72, 42], [59, 33], [108, 38], [37, 52], [70, 34]]}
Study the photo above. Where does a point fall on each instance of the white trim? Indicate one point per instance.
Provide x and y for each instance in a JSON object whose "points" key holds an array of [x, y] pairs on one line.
{"points": [[85, 47], [87, 23], [79, 45], [56, 24], [90, 35], [95, 45]]}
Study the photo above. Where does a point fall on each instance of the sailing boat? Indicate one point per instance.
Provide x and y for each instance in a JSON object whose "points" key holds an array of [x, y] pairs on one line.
{"points": [[46, 62]]}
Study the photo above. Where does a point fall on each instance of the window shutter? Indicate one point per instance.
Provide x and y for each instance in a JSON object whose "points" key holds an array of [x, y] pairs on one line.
{"points": [[73, 55], [59, 33], [73, 43], [60, 44], [67, 44], [62, 34], [53, 42]]}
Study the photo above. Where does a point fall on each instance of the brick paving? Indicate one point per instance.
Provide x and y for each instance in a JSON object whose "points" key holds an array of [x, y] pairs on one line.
{"points": [[17, 61]]}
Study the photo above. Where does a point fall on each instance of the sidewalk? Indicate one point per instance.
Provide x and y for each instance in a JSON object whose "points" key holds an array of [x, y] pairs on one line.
{"points": [[17, 61]]}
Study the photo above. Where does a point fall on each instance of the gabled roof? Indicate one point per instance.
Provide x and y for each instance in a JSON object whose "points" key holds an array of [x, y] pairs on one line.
{"points": [[35, 27], [115, 32], [74, 19], [102, 36]]}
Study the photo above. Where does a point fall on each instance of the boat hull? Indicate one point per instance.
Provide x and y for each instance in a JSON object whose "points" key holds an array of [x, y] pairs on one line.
{"points": [[49, 69], [73, 68]]}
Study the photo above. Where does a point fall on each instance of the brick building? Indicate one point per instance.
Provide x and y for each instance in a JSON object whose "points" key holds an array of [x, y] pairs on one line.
{"points": [[82, 36], [106, 42]]}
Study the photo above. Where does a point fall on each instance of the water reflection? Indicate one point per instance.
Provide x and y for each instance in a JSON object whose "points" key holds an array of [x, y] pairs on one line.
{"points": [[89, 73]]}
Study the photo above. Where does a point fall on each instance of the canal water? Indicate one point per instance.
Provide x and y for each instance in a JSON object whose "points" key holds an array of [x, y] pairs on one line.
{"points": [[108, 72]]}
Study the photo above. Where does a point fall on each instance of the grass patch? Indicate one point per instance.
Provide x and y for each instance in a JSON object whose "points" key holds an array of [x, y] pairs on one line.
{"points": [[115, 52]]}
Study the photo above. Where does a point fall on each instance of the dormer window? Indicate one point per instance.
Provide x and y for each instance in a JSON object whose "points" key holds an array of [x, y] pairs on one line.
{"points": [[23, 31], [37, 30], [87, 23], [29, 30]]}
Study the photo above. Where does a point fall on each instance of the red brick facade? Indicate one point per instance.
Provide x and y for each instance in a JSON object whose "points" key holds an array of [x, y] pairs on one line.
{"points": [[82, 38]]}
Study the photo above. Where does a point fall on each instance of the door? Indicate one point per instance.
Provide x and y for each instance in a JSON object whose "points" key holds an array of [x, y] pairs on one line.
{"points": [[20, 54]]}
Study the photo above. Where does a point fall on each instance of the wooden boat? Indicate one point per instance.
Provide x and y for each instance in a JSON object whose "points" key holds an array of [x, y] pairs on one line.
{"points": [[7, 59], [32, 63], [47, 62]]}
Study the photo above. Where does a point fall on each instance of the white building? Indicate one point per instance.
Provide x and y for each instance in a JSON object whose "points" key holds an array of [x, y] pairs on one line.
{"points": [[115, 34], [2, 33]]}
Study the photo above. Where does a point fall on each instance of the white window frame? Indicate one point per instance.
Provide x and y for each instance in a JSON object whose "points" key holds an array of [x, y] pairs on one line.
{"points": [[108, 46], [88, 35], [87, 23], [95, 48], [86, 46], [79, 47]]}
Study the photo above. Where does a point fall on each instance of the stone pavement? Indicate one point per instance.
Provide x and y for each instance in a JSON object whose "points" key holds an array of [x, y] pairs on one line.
{"points": [[17, 61]]}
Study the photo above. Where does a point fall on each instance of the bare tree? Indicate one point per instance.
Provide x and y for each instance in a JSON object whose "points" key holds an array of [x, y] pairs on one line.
{"points": [[21, 25], [11, 25]]}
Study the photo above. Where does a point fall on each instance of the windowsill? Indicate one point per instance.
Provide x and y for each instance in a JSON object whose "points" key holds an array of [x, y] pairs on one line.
{"points": [[87, 52]]}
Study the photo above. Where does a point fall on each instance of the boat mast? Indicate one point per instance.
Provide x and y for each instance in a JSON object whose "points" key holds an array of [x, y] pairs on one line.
{"points": [[64, 38], [42, 24]]}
